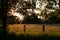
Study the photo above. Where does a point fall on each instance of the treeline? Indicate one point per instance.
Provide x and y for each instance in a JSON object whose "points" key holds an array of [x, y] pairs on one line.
{"points": [[52, 18]]}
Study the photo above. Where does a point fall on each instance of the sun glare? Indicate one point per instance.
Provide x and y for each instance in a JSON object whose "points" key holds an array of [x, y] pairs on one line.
{"points": [[37, 11], [20, 16]]}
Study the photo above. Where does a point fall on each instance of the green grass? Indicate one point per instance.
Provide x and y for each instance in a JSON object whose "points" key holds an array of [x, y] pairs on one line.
{"points": [[26, 36], [32, 37]]}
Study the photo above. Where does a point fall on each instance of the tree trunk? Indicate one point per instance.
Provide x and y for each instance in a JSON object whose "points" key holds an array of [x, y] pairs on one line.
{"points": [[4, 11]]}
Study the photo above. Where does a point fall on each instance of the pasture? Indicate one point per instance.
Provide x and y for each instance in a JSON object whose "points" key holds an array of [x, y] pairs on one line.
{"points": [[33, 29], [32, 32]]}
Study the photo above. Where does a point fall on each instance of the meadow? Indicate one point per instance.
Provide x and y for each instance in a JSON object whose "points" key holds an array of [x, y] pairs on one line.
{"points": [[33, 29], [32, 32]]}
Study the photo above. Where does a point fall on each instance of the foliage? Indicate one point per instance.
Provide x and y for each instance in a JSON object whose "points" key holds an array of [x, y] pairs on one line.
{"points": [[53, 17]]}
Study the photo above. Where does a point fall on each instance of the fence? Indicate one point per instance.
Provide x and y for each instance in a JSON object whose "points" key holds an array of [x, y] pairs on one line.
{"points": [[43, 28], [33, 28]]}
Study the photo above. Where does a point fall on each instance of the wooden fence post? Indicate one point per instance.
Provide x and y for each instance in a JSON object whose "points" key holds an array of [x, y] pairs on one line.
{"points": [[24, 28], [43, 28]]}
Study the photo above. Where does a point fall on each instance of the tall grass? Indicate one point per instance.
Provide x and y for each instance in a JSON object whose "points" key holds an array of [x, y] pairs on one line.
{"points": [[32, 37], [32, 33]]}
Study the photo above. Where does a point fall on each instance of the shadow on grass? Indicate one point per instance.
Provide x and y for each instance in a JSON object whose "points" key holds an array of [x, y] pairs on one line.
{"points": [[31, 37]]}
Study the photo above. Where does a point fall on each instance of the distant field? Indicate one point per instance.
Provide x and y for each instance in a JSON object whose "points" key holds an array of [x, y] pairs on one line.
{"points": [[33, 29]]}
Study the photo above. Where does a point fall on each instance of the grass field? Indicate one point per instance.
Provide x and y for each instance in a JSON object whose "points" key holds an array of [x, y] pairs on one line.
{"points": [[33, 29], [33, 32]]}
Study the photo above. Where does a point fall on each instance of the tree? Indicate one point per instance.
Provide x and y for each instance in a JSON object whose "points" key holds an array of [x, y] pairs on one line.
{"points": [[53, 17]]}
